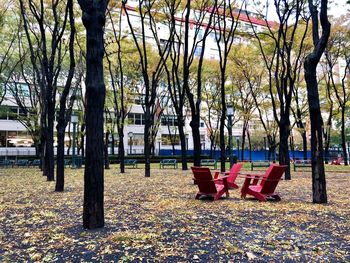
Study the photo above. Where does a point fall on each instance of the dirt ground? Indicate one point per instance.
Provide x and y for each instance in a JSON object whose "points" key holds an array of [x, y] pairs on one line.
{"points": [[157, 219]]}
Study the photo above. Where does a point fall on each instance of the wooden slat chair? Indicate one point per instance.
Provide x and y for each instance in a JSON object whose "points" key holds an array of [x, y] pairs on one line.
{"points": [[267, 186], [231, 176], [207, 185]]}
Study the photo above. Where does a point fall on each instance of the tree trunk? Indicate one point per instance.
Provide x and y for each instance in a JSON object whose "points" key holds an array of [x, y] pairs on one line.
{"points": [[319, 190], [121, 150], [303, 135], [70, 141], [318, 172], [196, 140], [250, 146], [60, 159], [283, 146], [243, 142], [222, 121], [222, 140], [343, 140], [327, 138], [82, 140], [106, 156], [147, 146], [183, 145], [50, 157], [113, 144], [94, 20]]}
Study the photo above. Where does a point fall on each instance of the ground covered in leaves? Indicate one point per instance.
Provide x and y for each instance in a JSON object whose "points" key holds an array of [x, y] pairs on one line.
{"points": [[158, 219]]}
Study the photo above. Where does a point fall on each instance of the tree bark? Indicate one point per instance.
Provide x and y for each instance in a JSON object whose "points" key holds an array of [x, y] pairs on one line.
{"points": [[121, 149], [60, 160], [343, 138], [106, 156], [65, 114], [183, 144], [94, 20], [283, 146], [319, 190]]}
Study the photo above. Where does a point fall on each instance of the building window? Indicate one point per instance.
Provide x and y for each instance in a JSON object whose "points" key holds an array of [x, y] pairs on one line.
{"points": [[137, 140], [168, 139], [169, 120], [136, 119]]}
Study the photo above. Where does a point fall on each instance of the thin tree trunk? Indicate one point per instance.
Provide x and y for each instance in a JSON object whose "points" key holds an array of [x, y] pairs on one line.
{"points": [[196, 141], [147, 146], [121, 150], [343, 140], [50, 157], [303, 135], [60, 160], [106, 156], [183, 146], [113, 144], [283, 146]]}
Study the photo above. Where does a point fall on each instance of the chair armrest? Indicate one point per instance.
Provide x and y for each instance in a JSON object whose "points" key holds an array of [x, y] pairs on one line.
{"points": [[252, 176], [221, 178], [216, 175]]}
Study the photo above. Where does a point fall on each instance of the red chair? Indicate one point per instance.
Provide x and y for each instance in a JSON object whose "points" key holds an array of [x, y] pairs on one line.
{"points": [[232, 176], [267, 186], [337, 161], [207, 185]]}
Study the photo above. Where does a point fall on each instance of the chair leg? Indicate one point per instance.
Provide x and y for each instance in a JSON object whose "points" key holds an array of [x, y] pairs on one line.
{"points": [[245, 188], [259, 196], [276, 197]]}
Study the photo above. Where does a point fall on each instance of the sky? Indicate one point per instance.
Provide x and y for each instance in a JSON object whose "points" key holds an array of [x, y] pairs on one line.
{"points": [[336, 8]]}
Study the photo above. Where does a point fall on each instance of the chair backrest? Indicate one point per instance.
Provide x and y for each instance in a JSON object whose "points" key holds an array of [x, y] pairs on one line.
{"points": [[234, 172], [271, 178], [204, 179]]}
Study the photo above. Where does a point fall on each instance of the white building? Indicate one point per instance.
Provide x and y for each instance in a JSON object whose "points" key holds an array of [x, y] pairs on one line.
{"points": [[14, 134]]}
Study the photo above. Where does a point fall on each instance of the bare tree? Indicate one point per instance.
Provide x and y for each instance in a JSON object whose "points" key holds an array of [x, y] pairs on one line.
{"points": [[282, 65], [147, 11], [7, 50], [45, 40], [206, 8], [337, 49], [65, 110], [225, 25]]}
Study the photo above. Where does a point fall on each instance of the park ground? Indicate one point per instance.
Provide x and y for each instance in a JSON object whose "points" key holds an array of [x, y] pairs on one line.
{"points": [[157, 219]]}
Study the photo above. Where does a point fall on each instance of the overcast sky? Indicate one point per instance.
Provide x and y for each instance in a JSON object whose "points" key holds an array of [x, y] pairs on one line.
{"points": [[336, 8]]}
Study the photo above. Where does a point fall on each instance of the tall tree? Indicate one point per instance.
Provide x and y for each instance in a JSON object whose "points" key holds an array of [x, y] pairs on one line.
{"points": [[176, 90], [94, 18], [120, 76], [9, 31], [151, 74], [202, 11], [65, 110], [338, 50], [282, 63], [319, 190], [44, 29], [225, 25]]}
